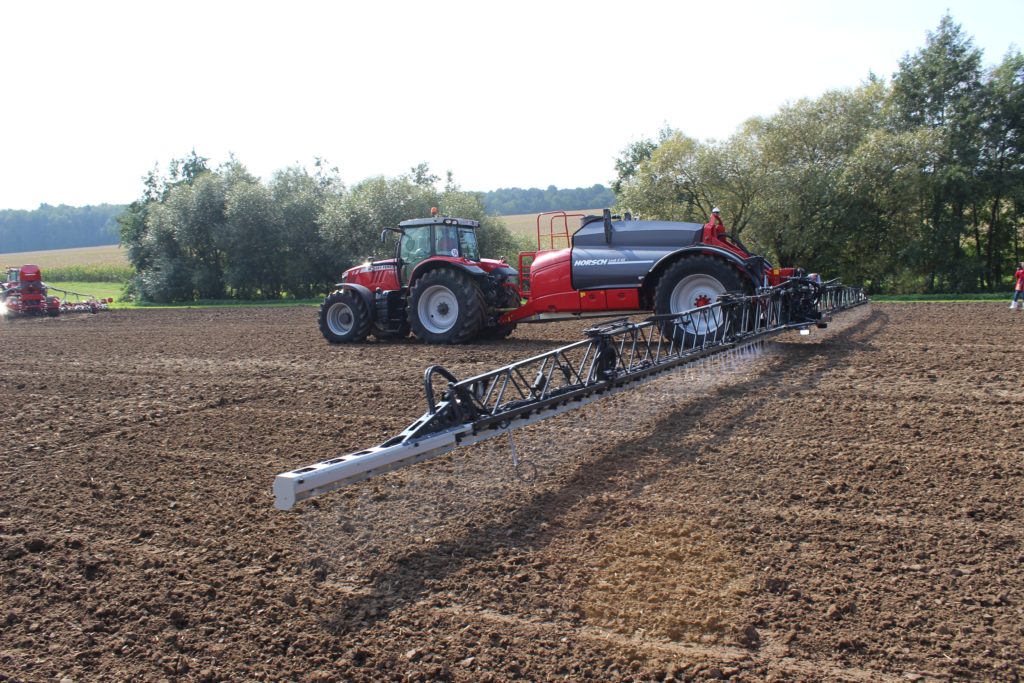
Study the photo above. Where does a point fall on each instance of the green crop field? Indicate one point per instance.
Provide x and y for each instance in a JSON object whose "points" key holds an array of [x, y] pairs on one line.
{"points": [[85, 264]]}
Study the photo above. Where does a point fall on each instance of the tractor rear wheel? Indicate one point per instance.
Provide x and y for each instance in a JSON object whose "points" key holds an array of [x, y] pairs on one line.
{"points": [[689, 283], [446, 307], [344, 317], [508, 298], [498, 331]]}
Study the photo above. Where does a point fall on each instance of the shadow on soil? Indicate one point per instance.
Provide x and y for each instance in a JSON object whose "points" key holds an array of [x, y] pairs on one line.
{"points": [[410, 577]]}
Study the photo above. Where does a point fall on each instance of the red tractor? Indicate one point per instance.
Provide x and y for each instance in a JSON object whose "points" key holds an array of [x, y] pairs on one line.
{"points": [[25, 293], [438, 287]]}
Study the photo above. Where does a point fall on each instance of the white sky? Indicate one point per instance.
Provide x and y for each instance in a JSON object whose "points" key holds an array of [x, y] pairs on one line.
{"points": [[515, 94]]}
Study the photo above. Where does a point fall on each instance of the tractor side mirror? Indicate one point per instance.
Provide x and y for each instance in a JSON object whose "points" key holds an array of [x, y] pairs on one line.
{"points": [[608, 226], [383, 235]]}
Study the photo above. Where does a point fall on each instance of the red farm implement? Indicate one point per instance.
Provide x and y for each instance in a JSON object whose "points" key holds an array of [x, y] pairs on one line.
{"points": [[438, 287], [613, 357], [710, 298], [24, 293]]}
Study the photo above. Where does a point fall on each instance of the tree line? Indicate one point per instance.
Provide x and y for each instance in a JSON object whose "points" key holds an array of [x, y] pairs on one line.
{"points": [[910, 185], [67, 227], [210, 233], [58, 227], [511, 201]]}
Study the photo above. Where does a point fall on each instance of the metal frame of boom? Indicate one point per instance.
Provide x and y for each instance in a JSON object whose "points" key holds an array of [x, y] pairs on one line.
{"points": [[614, 357]]}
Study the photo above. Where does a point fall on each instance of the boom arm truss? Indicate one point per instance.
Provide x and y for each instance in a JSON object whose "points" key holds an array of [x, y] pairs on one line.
{"points": [[614, 357]]}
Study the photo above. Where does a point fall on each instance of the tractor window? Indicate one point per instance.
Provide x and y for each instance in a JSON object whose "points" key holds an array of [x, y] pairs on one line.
{"points": [[446, 240], [414, 248], [467, 243]]}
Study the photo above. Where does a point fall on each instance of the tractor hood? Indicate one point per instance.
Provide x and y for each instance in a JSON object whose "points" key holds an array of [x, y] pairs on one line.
{"points": [[369, 267]]}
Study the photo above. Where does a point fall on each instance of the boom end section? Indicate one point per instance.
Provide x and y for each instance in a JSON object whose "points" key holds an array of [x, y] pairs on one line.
{"points": [[284, 491], [312, 480]]}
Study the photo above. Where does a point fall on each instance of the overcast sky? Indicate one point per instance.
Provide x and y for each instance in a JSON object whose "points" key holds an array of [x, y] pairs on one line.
{"points": [[523, 94]]}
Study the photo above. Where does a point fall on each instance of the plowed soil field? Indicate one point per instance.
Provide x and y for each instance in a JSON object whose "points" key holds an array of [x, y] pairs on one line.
{"points": [[844, 507]]}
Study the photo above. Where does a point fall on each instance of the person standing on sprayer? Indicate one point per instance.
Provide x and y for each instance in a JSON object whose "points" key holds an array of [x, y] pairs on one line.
{"points": [[1018, 288]]}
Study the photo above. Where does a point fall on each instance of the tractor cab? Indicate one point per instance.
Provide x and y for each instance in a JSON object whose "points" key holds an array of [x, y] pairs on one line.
{"points": [[26, 277], [423, 238]]}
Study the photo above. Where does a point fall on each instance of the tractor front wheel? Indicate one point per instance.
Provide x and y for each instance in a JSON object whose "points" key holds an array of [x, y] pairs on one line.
{"points": [[690, 283], [446, 307], [344, 318]]}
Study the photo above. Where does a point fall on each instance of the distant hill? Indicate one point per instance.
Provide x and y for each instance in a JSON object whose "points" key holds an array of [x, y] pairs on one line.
{"points": [[59, 227], [512, 201]]}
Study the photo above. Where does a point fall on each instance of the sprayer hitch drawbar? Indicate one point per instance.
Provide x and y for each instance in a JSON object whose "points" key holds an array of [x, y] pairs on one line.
{"points": [[614, 357]]}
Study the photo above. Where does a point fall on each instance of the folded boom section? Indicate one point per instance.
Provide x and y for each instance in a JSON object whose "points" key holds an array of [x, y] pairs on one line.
{"points": [[614, 357]]}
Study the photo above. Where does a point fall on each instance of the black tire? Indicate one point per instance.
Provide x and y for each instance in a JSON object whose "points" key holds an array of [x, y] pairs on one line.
{"points": [[344, 318], [509, 299], [498, 331], [384, 335], [691, 282], [446, 307]]}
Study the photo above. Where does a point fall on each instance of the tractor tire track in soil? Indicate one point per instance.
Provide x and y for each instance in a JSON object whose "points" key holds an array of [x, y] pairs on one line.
{"points": [[844, 506]]}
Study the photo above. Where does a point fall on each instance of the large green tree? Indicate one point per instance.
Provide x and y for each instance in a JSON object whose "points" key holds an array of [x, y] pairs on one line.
{"points": [[207, 233], [909, 185], [940, 88], [252, 236], [670, 183], [802, 211], [307, 265], [996, 212]]}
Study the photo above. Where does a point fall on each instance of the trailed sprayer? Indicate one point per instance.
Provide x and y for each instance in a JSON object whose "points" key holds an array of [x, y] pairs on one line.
{"points": [[438, 287], [709, 297]]}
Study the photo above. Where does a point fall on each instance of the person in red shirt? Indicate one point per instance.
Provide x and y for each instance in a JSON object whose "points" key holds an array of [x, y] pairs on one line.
{"points": [[1018, 288], [716, 222]]}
